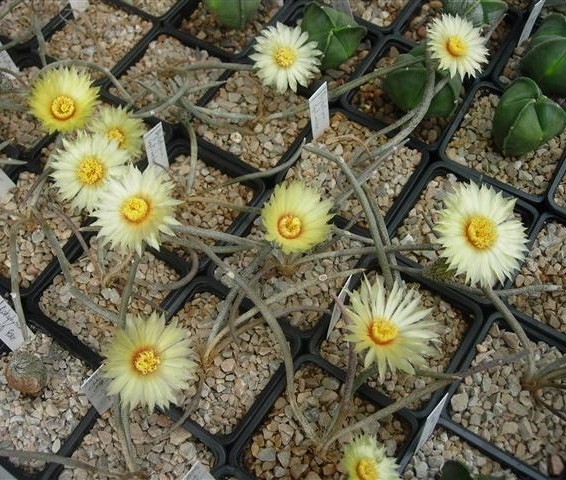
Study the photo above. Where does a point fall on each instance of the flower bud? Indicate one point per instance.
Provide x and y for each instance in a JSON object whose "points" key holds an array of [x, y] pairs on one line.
{"points": [[26, 373]]}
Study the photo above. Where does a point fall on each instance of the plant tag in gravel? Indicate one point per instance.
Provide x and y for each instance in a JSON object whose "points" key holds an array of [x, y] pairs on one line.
{"points": [[336, 312], [530, 23], [155, 149], [10, 330], [6, 183], [319, 113], [78, 6], [6, 475], [198, 472], [7, 63], [431, 422], [95, 388]]}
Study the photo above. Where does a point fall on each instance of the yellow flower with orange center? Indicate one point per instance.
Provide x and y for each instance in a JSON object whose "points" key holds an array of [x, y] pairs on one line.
{"points": [[295, 217], [391, 327], [62, 99], [364, 459], [148, 362], [479, 235], [457, 45]]}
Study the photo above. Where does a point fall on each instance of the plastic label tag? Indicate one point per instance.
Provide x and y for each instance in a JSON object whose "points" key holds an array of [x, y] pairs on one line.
{"points": [[5, 474], [320, 115], [10, 331], [78, 6], [431, 422], [343, 6], [6, 183], [530, 23], [95, 388], [7, 63], [198, 472], [336, 312], [155, 148]]}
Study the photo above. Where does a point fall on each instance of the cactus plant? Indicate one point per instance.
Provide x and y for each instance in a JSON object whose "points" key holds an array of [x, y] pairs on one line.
{"points": [[479, 12], [234, 13]]}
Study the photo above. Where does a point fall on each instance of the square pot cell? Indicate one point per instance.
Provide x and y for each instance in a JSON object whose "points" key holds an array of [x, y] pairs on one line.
{"points": [[34, 250], [21, 128], [275, 280], [238, 371], [494, 406], [371, 100], [17, 23], [205, 26], [104, 284], [381, 13], [415, 229], [163, 454], [545, 264], [258, 141], [207, 205], [279, 448], [155, 69], [350, 140], [103, 34], [153, 7], [471, 145], [452, 324], [43, 423], [443, 445]]}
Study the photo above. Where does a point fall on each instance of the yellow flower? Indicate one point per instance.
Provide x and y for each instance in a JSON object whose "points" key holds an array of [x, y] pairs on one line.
{"points": [[284, 58], [393, 327], [148, 362], [63, 99], [479, 235], [364, 459], [135, 208], [83, 168], [118, 124], [457, 44], [296, 218]]}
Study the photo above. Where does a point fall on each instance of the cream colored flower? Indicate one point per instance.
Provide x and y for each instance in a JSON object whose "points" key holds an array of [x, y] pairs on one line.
{"points": [[83, 168], [457, 44], [118, 124], [392, 327], [63, 99], [285, 58], [364, 459], [296, 218], [479, 235], [134, 209], [148, 362]]}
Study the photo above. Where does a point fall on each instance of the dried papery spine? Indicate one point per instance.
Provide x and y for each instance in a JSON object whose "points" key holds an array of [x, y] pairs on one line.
{"points": [[26, 373]]}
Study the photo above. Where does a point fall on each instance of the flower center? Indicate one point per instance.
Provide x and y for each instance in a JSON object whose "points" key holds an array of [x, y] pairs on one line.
{"points": [[91, 170], [285, 57], [135, 209], [456, 46], [382, 331], [289, 226], [365, 469], [146, 361], [116, 134], [63, 107], [481, 232]]}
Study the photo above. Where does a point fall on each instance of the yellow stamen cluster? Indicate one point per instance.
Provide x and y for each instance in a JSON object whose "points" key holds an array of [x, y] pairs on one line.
{"points": [[63, 107], [116, 134], [285, 57], [90, 171], [382, 331], [456, 46], [481, 232], [366, 469], [289, 226], [146, 361], [135, 209]]}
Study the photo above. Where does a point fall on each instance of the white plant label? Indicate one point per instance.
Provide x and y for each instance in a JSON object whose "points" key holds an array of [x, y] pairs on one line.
{"points": [[155, 148], [10, 331], [5, 474], [320, 115], [6, 62], [78, 6], [95, 388], [336, 312], [6, 183], [530, 23], [431, 422], [198, 472]]}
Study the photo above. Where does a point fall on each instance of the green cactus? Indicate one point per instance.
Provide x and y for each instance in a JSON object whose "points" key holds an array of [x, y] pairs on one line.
{"points": [[406, 86], [525, 119], [545, 58], [479, 12], [453, 470], [336, 33], [233, 13]]}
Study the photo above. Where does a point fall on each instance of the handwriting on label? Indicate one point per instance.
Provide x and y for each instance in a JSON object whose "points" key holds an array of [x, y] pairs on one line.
{"points": [[95, 388], [155, 148], [10, 330], [319, 113]]}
